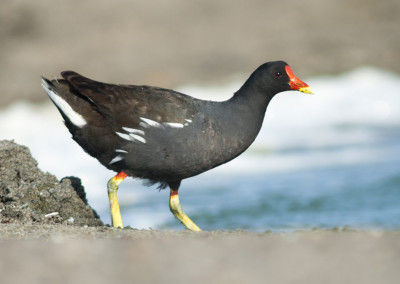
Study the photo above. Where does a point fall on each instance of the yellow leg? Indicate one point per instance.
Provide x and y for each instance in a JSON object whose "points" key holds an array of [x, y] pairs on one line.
{"points": [[176, 209], [112, 187]]}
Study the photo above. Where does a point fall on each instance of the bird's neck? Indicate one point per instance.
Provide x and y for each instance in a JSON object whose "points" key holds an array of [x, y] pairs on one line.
{"points": [[244, 114], [251, 103]]}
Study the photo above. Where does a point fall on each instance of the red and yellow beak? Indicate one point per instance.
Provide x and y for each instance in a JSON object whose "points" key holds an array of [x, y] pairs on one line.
{"points": [[295, 83]]}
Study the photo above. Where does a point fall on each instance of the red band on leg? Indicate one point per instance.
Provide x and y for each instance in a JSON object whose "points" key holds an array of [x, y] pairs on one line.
{"points": [[121, 175]]}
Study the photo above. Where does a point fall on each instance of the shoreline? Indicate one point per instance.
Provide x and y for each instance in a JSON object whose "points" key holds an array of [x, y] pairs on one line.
{"points": [[54, 231]]}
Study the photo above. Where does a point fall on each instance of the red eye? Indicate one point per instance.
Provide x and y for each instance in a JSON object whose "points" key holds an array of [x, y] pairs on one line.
{"points": [[278, 74]]}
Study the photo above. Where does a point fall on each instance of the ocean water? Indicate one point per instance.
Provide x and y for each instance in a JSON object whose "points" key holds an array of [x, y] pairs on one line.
{"points": [[320, 161]]}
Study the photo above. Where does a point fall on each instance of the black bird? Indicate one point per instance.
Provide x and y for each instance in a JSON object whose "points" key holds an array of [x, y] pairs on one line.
{"points": [[161, 135]]}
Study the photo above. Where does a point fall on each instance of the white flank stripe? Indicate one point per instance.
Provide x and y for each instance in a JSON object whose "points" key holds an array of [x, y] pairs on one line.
{"points": [[72, 115], [116, 159], [189, 120], [150, 122], [133, 130], [130, 137], [121, 151], [174, 124], [138, 138], [123, 136]]}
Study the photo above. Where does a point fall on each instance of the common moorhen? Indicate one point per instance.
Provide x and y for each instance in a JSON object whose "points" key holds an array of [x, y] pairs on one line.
{"points": [[161, 135]]}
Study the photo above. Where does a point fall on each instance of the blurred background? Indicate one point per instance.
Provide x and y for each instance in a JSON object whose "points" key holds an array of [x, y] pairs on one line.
{"points": [[328, 160]]}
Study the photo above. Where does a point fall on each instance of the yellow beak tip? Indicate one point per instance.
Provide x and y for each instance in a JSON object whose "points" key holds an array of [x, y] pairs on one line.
{"points": [[306, 90]]}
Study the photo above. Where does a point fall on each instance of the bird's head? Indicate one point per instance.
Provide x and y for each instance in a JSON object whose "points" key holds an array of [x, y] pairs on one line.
{"points": [[277, 77]]}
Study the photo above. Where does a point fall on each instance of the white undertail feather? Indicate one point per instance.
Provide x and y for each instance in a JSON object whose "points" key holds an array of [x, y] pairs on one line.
{"points": [[69, 112]]}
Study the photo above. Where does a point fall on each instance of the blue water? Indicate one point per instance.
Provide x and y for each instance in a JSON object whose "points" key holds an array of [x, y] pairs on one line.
{"points": [[322, 161]]}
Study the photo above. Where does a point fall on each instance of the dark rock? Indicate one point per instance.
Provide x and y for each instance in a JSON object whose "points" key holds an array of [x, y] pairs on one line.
{"points": [[28, 195]]}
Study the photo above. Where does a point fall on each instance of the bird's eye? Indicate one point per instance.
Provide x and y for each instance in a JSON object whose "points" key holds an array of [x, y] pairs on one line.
{"points": [[278, 74]]}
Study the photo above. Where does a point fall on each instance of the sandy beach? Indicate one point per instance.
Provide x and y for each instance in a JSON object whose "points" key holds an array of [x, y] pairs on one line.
{"points": [[70, 254], [170, 44]]}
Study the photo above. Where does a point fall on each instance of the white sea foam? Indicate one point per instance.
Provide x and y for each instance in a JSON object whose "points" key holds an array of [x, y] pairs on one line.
{"points": [[337, 125]]}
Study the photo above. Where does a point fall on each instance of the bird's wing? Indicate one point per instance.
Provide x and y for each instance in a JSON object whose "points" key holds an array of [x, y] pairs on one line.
{"points": [[130, 105]]}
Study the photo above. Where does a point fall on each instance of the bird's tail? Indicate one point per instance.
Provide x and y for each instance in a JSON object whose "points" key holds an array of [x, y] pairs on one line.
{"points": [[59, 93]]}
